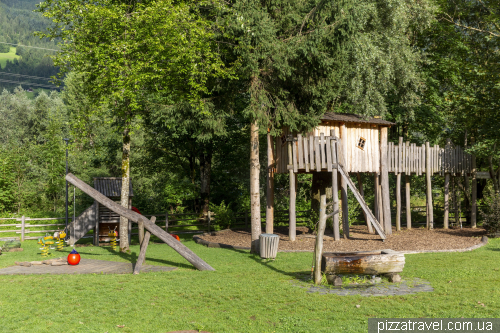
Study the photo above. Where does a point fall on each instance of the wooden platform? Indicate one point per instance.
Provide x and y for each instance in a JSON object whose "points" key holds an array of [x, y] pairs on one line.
{"points": [[86, 266]]}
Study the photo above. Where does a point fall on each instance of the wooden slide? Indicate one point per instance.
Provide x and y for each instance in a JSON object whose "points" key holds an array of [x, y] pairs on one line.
{"points": [[138, 218]]}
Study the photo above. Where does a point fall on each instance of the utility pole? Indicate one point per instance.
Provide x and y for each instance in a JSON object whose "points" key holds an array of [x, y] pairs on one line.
{"points": [[67, 141]]}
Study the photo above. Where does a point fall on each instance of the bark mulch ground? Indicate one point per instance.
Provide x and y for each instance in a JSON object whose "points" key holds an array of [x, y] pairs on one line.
{"points": [[361, 240]]}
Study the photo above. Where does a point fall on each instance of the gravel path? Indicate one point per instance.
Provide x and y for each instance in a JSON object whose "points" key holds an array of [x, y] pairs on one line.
{"points": [[361, 240]]}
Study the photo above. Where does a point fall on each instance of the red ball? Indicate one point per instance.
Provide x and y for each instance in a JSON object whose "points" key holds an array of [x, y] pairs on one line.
{"points": [[73, 259]]}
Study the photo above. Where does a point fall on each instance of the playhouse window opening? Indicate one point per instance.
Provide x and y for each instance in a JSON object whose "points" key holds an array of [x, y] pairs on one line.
{"points": [[361, 143]]}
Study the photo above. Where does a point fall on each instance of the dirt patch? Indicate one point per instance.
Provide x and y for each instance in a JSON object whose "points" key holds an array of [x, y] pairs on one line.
{"points": [[361, 240]]}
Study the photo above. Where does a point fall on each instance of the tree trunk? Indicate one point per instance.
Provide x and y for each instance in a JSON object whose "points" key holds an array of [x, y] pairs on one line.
{"points": [[318, 180], [205, 172], [123, 233], [254, 187]]}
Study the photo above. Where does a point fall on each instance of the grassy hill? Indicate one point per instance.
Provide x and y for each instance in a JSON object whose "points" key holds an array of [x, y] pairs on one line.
{"points": [[8, 56]]}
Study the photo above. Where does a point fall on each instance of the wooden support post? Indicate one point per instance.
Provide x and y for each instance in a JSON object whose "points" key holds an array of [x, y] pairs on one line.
{"points": [[166, 221], [96, 227], [428, 175], [144, 246], [293, 219], [23, 227], [473, 206], [270, 185], [318, 250], [378, 209], [384, 173], [446, 200], [360, 186], [345, 207], [291, 211], [140, 226], [398, 189], [407, 193], [180, 248], [455, 201], [335, 190]]}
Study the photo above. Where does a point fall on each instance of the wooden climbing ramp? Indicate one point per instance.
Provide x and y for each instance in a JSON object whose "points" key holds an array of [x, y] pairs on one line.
{"points": [[138, 218]]}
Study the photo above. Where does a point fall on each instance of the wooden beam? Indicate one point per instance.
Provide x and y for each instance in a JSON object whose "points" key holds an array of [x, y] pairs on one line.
{"points": [[141, 231], [398, 187], [428, 175], [144, 247], [407, 192], [133, 216], [384, 173], [446, 200], [270, 186], [473, 208], [318, 250], [335, 190]]}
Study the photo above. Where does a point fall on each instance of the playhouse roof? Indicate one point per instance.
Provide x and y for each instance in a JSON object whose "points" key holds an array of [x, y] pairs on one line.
{"points": [[111, 186], [353, 118]]}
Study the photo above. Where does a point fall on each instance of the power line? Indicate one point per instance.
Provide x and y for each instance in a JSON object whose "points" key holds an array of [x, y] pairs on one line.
{"points": [[26, 76], [33, 47], [31, 84]]}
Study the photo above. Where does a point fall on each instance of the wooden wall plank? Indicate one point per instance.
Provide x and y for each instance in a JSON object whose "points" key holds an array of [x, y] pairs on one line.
{"points": [[312, 153], [322, 149], [300, 144], [306, 153]]}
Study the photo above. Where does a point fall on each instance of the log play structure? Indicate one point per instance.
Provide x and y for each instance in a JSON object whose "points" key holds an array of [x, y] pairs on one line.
{"points": [[362, 147], [88, 220]]}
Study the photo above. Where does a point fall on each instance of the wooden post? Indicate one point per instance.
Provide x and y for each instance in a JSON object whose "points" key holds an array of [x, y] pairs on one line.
{"points": [[144, 247], [23, 227], [270, 185], [384, 173], [96, 228], [291, 211], [473, 207], [455, 201], [166, 221], [379, 211], [446, 200], [141, 231], [318, 251], [398, 187], [335, 191], [360, 186], [407, 193], [428, 175]]}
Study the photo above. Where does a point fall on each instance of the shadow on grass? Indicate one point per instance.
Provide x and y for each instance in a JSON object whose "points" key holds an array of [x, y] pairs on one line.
{"points": [[132, 258], [267, 263]]}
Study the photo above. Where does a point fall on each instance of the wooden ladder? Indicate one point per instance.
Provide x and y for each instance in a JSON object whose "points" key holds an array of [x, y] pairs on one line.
{"points": [[352, 186]]}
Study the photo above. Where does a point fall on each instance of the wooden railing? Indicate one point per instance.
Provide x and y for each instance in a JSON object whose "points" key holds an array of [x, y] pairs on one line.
{"points": [[182, 223], [410, 158], [41, 228]]}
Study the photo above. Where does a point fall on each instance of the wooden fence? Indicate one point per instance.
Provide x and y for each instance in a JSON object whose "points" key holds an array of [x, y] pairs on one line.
{"points": [[184, 223], [22, 227]]}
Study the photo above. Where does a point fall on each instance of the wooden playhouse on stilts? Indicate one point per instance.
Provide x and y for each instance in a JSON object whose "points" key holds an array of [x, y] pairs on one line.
{"points": [[341, 144], [347, 144]]}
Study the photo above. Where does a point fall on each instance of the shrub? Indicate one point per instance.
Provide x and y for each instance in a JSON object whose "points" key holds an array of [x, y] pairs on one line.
{"points": [[491, 214], [224, 216]]}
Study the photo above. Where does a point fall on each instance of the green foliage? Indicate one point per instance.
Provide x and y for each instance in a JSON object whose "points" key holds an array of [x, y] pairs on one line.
{"points": [[491, 213], [7, 189], [224, 216]]}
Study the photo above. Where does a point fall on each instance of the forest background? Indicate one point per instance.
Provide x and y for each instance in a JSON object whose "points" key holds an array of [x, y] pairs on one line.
{"points": [[180, 157]]}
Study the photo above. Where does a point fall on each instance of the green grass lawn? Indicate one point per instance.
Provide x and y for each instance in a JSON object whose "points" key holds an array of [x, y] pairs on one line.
{"points": [[244, 294], [8, 56]]}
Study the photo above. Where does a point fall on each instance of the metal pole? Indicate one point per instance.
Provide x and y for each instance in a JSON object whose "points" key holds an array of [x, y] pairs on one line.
{"points": [[67, 141]]}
